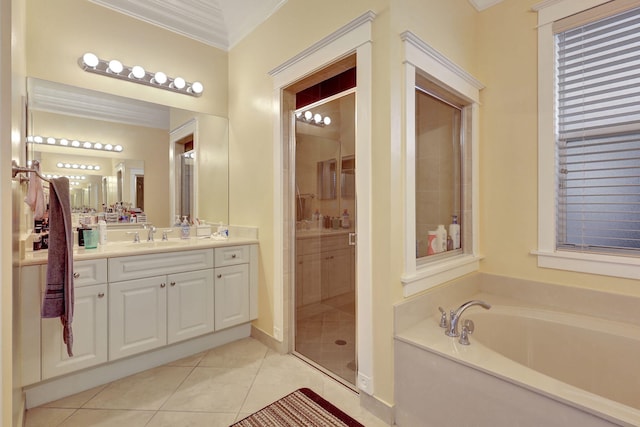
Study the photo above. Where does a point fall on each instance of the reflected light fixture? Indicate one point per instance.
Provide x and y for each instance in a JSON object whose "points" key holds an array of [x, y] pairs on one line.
{"points": [[87, 145], [137, 74], [313, 119], [78, 166]]}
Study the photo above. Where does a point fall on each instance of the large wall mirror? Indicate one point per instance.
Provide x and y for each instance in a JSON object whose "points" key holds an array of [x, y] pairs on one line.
{"points": [[117, 151]]}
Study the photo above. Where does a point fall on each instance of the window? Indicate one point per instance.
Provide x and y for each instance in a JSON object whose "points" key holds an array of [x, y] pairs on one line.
{"points": [[598, 135], [589, 137], [441, 166]]}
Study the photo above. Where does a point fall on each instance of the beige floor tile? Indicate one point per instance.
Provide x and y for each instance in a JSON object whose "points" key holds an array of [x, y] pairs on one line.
{"points": [[76, 400], [288, 370], [107, 418], [262, 395], [246, 353], [191, 419], [147, 390], [209, 397], [46, 417]]}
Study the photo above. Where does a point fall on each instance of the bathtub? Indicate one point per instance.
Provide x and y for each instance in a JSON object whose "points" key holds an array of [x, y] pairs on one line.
{"points": [[526, 366]]}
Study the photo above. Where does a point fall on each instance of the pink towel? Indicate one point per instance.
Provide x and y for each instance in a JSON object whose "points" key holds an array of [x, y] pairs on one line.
{"points": [[35, 196], [58, 297]]}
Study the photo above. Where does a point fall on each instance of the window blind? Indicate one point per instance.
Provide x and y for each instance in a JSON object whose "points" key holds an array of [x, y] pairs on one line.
{"points": [[598, 135]]}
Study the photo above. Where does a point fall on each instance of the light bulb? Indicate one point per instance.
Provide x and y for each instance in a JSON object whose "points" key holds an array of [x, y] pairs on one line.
{"points": [[317, 118], [159, 78], [115, 66], [327, 121], [64, 142], [67, 165], [51, 141], [37, 139], [179, 83], [118, 148], [75, 166], [97, 146], [196, 87], [87, 144], [96, 168], [308, 115], [90, 60], [60, 165], [108, 147], [75, 143], [138, 72], [83, 166], [89, 167]]}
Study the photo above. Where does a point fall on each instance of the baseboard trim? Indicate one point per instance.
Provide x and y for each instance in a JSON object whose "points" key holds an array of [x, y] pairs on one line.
{"points": [[268, 340], [377, 407]]}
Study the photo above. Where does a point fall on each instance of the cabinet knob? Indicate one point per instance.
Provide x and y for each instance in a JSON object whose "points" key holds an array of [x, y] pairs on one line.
{"points": [[76, 275], [162, 285], [173, 283], [234, 256], [101, 295], [219, 276]]}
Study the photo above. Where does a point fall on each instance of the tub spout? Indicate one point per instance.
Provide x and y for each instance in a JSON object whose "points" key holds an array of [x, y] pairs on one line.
{"points": [[452, 331]]}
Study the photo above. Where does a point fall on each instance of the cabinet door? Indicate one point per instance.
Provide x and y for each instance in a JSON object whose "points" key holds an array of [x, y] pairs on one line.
{"points": [[308, 279], [89, 334], [189, 305], [337, 273], [137, 316], [231, 296]]}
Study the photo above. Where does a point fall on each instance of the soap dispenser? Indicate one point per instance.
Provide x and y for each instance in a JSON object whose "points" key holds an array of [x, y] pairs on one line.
{"points": [[454, 232], [186, 230]]}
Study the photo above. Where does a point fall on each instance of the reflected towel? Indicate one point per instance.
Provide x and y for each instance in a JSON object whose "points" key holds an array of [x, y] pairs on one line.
{"points": [[35, 196], [58, 297]]}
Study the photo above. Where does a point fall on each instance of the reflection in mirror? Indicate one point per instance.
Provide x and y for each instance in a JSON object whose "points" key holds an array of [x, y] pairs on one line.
{"points": [[135, 170], [327, 176]]}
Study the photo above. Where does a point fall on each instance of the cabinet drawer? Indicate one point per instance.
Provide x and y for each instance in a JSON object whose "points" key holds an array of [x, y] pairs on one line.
{"points": [[89, 272], [232, 255], [139, 266]]}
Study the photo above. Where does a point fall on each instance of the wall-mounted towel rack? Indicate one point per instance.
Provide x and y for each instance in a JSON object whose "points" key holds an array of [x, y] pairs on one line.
{"points": [[16, 169]]}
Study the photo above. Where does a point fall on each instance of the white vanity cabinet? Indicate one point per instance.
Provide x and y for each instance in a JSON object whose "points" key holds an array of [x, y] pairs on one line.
{"points": [[89, 324], [169, 298]]}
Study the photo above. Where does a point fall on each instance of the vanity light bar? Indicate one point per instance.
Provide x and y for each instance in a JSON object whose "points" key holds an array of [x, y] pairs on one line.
{"points": [[74, 143], [78, 166], [137, 74], [313, 119]]}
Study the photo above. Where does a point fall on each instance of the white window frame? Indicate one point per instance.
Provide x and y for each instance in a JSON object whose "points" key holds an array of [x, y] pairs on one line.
{"points": [[548, 256], [439, 69]]}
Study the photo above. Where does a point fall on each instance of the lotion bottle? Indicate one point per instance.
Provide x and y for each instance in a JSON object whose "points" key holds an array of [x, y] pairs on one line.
{"points": [[454, 232], [102, 232], [442, 239]]}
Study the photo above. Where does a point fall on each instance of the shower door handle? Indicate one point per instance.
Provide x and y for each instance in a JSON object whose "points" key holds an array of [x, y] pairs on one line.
{"points": [[352, 239]]}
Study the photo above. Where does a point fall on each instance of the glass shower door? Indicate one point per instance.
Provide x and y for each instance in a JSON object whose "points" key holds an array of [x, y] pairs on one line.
{"points": [[325, 296]]}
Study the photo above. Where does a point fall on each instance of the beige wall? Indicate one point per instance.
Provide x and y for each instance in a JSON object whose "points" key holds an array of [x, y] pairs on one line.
{"points": [[508, 48], [61, 31]]}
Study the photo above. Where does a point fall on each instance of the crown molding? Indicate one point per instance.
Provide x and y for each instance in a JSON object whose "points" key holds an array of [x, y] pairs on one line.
{"points": [[481, 5]]}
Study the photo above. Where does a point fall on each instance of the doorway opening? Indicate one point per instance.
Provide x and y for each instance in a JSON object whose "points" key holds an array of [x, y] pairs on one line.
{"points": [[323, 161]]}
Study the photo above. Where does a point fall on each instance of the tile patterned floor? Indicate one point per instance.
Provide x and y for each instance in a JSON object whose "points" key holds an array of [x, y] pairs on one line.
{"points": [[212, 389]]}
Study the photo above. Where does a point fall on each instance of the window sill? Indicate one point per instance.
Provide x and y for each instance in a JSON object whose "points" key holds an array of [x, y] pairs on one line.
{"points": [[607, 265], [433, 274]]}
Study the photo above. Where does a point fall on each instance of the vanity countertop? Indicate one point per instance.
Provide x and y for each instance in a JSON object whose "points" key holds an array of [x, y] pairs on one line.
{"points": [[127, 248]]}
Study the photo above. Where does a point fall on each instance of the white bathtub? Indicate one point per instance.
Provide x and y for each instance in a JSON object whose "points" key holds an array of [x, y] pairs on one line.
{"points": [[525, 366]]}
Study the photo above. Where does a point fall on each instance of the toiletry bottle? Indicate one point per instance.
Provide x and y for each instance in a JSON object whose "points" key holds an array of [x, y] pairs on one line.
{"points": [[177, 222], [223, 230], [345, 219], [454, 232], [442, 238], [432, 239], [102, 229], [186, 230]]}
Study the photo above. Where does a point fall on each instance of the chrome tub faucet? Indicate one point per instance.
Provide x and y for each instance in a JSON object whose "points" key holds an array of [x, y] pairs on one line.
{"points": [[452, 330]]}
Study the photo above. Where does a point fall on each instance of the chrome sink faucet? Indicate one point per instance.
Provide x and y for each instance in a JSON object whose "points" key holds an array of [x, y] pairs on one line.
{"points": [[151, 230], [452, 331]]}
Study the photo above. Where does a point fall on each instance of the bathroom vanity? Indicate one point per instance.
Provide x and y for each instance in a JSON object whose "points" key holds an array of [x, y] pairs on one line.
{"points": [[137, 305]]}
